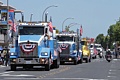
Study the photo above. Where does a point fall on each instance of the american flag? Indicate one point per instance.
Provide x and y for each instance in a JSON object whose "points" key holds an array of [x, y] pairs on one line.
{"points": [[11, 21], [81, 30], [50, 25]]}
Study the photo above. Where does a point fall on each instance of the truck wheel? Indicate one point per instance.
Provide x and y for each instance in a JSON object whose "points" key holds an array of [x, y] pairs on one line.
{"points": [[55, 64], [61, 62], [90, 60], [86, 60], [13, 67], [95, 57], [75, 62], [47, 67], [81, 61]]}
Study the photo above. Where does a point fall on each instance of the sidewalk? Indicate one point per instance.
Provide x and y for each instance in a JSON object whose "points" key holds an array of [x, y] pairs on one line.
{"points": [[2, 66]]}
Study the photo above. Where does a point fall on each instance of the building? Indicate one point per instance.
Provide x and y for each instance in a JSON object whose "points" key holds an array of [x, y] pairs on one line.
{"points": [[5, 24]]}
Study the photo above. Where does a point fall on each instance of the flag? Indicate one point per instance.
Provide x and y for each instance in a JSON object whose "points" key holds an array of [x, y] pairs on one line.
{"points": [[50, 25], [11, 20], [81, 30]]}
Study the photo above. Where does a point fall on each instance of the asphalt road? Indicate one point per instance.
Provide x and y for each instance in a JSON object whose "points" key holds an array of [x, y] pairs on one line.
{"points": [[98, 69]]}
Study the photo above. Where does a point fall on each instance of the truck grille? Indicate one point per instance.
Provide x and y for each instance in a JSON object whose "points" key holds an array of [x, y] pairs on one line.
{"points": [[65, 49], [28, 49]]}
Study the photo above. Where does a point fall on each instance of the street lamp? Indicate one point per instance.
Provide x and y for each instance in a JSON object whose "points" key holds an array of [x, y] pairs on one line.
{"points": [[46, 9], [31, 17], [64, 22], [72, 24]]}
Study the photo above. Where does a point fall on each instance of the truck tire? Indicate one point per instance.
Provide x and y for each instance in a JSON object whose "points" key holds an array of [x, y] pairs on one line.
{"points": [[95, 57], [81, 61], [61, 62], [55, 64], [75, 62], [86, 60], [90, 59], [13, 67], [47, 67]]}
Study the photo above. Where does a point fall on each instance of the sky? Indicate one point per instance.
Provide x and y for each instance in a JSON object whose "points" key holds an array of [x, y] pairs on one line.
{"points": [[95, 16]]}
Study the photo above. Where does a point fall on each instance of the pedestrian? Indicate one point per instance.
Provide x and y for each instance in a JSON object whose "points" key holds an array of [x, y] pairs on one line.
{"points": [[7, 57], [2, 57], [0, 60]]}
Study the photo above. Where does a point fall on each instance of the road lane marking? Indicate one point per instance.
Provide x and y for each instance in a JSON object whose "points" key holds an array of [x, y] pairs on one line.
{"points": [[6, 72], [111, 73], [22, 78], [111, 76], [57, 78], [1, 66], [115, 59], [55, 72], [16, 75], [112, 70]]}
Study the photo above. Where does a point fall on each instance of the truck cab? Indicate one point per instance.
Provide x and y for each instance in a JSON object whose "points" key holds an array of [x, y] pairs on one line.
{"points": [[69, 48], [86, 51], [35, 46]]}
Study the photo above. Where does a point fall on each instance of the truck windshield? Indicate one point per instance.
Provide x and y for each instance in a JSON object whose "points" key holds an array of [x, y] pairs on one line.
{"points": [[98, 46], [65, 38], [31, 30], [82, 42]]}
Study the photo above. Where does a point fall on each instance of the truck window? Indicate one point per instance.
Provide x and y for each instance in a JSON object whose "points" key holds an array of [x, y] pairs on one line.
{"points": [[31, 30], [65, 38]]}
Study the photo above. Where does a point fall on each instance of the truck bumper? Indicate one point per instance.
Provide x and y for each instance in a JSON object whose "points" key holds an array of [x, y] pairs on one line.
{"points": [[68, 59], [85, 57], [30, 61]]}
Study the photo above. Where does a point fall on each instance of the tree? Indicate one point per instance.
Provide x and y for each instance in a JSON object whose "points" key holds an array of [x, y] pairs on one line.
{"points": [[57, 31], [99, 39], [67, 29], [113, 35]]}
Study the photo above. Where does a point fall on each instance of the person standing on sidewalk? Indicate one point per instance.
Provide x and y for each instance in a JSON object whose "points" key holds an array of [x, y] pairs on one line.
{"points": [[7, 57], [0, 60], [2, 57]]}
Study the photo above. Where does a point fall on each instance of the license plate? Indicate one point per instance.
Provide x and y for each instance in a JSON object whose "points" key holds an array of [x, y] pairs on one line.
{"points": [[28, 62]]}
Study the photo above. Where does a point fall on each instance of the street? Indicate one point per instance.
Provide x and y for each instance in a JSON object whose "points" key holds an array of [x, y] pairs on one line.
{"points": [[98, 69]]}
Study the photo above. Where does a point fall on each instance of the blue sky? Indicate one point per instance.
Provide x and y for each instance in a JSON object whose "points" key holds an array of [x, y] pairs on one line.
{"points": [[95, 16]]}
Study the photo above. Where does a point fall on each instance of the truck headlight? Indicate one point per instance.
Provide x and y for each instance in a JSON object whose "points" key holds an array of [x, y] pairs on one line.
{"points": [[74, 51], [85, 54], [44, 54], [91, 51], [12, 54]]}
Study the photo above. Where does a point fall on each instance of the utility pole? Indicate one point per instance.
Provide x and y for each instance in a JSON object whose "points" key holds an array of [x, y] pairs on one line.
{"points": [[7, 25]]}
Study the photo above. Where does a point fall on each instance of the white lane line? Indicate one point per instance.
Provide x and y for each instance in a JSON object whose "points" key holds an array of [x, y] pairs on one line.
{"points": [[111, 73], [115, 59], [112, 70], [22, 78], [56, 78], [111, 76], [6, 72], [16, 75], [2, 66]]}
